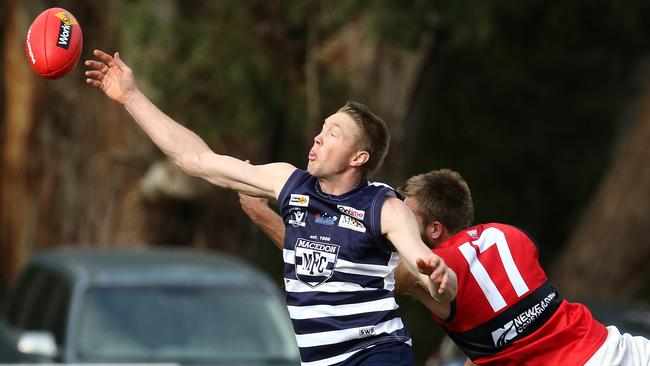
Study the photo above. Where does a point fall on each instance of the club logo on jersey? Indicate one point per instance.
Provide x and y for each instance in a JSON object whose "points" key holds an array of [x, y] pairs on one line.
{"points": [[504, 335], [65, 29], [299, 200], [352, 224], [324, 219], [351, 211], [315, 261], [472, 233], [297, 217], [518, 325]]}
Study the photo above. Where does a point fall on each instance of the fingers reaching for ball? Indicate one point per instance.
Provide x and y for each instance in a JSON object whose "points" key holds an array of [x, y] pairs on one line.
{"points": [[111, 75]]}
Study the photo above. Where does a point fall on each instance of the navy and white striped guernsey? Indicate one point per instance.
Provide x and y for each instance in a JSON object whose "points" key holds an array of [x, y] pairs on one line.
{"points": [[338, 270]]}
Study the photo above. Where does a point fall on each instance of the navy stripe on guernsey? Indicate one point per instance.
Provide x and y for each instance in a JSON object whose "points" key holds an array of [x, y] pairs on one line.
{"points": [[518, 321], [338, 270], [336, 298]]}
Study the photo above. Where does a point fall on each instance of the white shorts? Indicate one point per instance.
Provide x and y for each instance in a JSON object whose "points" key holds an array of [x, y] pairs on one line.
{"points": [[621, 350]]}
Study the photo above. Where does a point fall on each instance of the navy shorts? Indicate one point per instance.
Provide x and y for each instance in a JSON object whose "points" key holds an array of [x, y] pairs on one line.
{"points": [[389, 354]]}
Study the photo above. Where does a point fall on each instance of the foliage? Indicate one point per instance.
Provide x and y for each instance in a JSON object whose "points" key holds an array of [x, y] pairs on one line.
{"points": [[529, 99]]}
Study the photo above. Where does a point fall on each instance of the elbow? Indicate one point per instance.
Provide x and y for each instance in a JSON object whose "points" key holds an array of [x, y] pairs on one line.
{"points": [[189, 163]]}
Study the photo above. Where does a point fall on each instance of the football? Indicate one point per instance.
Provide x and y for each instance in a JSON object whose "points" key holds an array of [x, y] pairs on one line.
{"points": [[54, 42]]}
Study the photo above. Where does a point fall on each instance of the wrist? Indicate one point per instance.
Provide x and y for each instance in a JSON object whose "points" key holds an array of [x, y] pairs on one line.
{"points": [[130, 97]]}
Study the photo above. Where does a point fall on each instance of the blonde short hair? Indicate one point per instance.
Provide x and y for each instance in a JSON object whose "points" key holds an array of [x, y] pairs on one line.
{"points": [[375, 138]]}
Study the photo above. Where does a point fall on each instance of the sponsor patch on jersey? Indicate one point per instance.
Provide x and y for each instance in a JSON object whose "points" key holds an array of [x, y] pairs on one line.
{"points": [[300, 200], [351, 211], [297, 217], [353, 224], [366, 332], [315, 261], [502, 336], [324, 218]]}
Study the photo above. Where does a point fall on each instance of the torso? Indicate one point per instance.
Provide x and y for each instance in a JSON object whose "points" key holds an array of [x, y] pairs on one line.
{"points": [[505, 311], [338, 270]]}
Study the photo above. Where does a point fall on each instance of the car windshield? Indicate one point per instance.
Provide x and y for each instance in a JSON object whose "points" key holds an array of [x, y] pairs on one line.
{"points": [[183, 324]]}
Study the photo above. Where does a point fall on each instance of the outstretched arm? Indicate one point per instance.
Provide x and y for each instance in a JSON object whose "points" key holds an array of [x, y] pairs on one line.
{"points": [[112, 76], [400, 227], [258, 210]]}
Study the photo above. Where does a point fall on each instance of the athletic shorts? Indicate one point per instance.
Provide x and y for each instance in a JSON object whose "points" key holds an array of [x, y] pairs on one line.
{"points": [[621, 350], [390, 354]]}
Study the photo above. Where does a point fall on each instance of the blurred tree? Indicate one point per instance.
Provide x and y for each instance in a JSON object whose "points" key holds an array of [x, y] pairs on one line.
{"points": [[63, 178], [523, 98], [610, 246], [18, 101]]}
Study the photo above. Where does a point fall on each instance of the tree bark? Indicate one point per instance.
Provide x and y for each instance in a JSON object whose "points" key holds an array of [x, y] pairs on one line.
{"points": [[16, 224], [69, 159], [388, 78], [608, 253]]}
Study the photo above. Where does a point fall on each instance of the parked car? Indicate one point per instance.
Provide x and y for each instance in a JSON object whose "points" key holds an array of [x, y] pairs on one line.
{"points": [[102, 306]]}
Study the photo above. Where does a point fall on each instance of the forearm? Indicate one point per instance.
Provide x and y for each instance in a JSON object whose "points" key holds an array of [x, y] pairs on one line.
{"points": [[441, 286], [177, 142], [271, 224]]}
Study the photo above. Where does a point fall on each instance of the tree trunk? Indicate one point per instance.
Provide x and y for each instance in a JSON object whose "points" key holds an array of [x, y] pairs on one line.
{"points": [[388, 79], [608, 253], [16, 224], [70, 160]]}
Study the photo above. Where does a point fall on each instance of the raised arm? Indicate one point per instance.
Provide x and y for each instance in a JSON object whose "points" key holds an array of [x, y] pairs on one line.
{"points": [[112, 76], [400, 227], [258, 210]]}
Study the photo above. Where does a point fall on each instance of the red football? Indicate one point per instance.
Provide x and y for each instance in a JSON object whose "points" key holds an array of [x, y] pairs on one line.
{"points": [[54, 43]]}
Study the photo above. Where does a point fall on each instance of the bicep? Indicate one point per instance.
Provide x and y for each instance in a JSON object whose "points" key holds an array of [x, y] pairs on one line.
{"points": [[256, 180], [400, 227]]}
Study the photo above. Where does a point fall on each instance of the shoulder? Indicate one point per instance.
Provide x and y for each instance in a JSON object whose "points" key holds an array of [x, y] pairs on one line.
{"points": [[395, 214], [393, 206]]}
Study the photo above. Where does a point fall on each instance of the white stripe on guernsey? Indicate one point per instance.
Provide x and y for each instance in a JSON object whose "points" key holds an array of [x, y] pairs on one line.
{"points": [[289, 256], [331, 360], [331, 287], [338, 336], [389, 281], [322, 311], [362, 269]]}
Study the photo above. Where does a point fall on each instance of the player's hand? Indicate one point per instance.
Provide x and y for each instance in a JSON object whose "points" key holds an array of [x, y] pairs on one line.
{"points": [[110, 75], [435, 268], [252, 205]]}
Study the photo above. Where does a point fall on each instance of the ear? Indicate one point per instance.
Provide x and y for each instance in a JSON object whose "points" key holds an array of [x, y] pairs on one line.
{"points": [[437, 231], [360, 158]]}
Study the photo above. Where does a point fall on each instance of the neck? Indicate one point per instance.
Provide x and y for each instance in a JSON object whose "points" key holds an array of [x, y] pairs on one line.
{"points": [[340, 184], [436, 242]]}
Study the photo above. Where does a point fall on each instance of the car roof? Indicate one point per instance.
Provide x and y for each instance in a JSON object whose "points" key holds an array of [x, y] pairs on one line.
{"points": [[141, 266]]}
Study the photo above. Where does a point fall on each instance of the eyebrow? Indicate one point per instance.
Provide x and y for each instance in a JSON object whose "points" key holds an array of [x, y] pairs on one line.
{"points": [[332, 123]]}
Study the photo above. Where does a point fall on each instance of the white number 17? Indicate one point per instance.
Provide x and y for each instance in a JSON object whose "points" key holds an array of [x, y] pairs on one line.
{"points": [[493, 236]]}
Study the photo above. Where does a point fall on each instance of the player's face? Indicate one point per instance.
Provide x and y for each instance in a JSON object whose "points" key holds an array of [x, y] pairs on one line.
{"points": [[413, 206], [334, 146]]}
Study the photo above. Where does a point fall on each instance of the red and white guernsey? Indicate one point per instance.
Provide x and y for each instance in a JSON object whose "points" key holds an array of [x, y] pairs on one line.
{"points": [[506, 312]]}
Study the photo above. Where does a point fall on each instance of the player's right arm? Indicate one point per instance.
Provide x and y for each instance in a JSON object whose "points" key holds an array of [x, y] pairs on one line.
{"points": [[112, 76]]}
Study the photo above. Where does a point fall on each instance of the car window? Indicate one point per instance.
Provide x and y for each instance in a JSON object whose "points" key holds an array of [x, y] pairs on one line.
{"points": [[56, 316], [47, 306], [183, 323], [22, 298]]}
